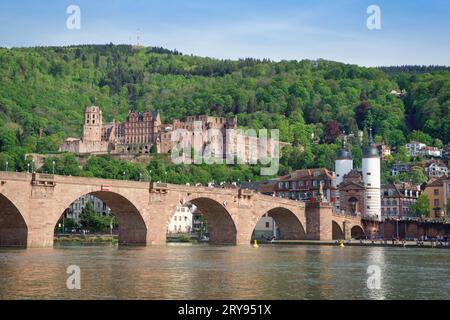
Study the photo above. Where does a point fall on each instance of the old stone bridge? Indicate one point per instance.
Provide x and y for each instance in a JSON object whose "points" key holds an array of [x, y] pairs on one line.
{"points": [[32, 204]]}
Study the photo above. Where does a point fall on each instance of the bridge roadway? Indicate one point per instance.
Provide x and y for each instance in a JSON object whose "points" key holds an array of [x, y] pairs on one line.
{"points": [[32, 204]]}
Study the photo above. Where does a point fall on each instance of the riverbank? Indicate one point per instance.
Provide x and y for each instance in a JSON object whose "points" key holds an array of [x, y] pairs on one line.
{"points": [[367, 243], [81, 239]]}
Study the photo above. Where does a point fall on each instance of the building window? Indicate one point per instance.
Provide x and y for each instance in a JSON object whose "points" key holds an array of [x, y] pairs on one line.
{"points": [[436, 202], [267, 225], [436, 192]]}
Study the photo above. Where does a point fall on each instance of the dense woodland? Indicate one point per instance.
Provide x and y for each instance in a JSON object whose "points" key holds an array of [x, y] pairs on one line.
{"points": [[310, 102]]}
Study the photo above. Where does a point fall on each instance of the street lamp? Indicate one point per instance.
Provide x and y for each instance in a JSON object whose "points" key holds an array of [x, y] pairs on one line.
{"points": [[6, 166], [28, 167], [53, 167], [166, 177], [33, 166]]}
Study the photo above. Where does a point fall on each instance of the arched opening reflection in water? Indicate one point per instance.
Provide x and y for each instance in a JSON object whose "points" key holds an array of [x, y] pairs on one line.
{"points": [[103, 213]]}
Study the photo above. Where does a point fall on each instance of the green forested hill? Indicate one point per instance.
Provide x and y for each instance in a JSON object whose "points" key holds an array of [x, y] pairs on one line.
{"points": [[49, 87]]}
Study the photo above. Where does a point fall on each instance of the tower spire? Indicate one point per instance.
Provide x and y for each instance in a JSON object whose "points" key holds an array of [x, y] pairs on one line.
{"points": [[370, 136], [344, 141]]}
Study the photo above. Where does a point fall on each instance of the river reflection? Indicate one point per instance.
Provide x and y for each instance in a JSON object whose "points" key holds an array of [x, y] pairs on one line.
{"points": [[225, 272]]}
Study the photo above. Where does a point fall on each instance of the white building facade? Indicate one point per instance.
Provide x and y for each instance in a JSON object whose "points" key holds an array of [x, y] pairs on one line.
{"points": [[75, 209], [182, 221], [265, 228]]}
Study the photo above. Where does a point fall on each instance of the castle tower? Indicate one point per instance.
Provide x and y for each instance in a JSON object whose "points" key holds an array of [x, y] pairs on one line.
{"points": [[372, 180], [92, 129], [343, 165]]}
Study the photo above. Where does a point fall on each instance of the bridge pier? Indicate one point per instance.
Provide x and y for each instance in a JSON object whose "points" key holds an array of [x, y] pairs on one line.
{"points": [[347, 229], [319, 221], [40, 238]]}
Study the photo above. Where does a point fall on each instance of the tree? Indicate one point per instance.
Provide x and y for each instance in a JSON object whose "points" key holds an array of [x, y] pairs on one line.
{"points": [[361, 113], [332, 131], [70, 224], [292, 105], [7, 139], [418, 176], [90, 220], [421, 206], [420, 136], [402, 155]]}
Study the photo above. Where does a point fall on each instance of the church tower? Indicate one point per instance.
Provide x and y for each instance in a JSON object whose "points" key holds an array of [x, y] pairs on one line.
{"points": [[372, 179], [92, 129], [343, 165]]}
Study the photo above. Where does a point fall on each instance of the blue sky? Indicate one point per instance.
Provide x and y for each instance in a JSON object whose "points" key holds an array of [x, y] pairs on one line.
{"points": [[412, 32]]}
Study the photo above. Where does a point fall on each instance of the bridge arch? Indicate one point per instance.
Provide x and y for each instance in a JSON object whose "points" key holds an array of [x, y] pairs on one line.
{"points": [[132, 227], [288, 225], [336, 231], [357, 231], [13, 228], [221, 226]]}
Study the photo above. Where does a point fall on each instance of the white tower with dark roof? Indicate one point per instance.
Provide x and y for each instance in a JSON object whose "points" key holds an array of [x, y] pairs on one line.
{"points": [[342, 165], [372, 179]]}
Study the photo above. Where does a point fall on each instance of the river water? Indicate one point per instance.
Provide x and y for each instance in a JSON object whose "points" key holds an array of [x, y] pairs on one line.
{"points": [[186, 271]]}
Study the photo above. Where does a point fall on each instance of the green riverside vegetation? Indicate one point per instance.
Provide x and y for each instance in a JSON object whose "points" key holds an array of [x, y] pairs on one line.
{"points": [[310, 102]]}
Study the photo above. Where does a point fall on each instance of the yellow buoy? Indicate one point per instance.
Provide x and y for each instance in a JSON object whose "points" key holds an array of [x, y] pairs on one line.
{"points": [[255, 244], [341, 244]]}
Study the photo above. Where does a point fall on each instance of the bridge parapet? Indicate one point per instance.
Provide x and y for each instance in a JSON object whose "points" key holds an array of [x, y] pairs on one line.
{"points": [[347, 216], [42, 179], [18, 176], [158, 187], [245, 194]]}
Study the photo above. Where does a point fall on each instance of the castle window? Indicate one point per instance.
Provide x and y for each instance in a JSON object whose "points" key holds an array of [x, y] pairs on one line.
{"points": [[93, 121]]}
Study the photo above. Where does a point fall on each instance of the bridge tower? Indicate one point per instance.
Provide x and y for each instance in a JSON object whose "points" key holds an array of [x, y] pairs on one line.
{"points": [[92, 129], [372, 179], [343, 165]]}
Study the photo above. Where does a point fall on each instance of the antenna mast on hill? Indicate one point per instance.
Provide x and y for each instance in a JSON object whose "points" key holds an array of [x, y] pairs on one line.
{"points": [[138, 38]]}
